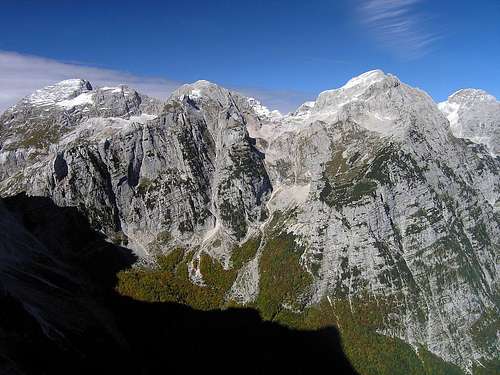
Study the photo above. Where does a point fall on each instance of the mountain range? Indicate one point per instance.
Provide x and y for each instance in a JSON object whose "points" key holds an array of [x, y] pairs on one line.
{"points": [[373, 210]]}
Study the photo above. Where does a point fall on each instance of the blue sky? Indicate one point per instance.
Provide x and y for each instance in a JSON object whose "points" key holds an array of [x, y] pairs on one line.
{"points": [[283, 52]]}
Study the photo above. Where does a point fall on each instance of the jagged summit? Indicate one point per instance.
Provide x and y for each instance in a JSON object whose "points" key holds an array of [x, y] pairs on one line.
{"points": [[262, 111], [72, 93], [203, 90]]}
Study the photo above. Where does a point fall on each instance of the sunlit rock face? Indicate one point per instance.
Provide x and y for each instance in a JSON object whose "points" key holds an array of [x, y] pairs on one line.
{"points": [[392, 199]]}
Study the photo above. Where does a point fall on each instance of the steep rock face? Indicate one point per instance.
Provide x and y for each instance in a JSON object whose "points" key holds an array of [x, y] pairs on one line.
{"points": [[375, 194], [241, 183]]}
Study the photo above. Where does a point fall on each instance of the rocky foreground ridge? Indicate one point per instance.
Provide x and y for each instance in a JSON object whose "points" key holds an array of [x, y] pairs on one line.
{"points": [[371, 198]]}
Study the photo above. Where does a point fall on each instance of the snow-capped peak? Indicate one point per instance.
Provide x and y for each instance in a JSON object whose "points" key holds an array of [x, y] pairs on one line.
{"points": [[82, 99], [61, 91]]}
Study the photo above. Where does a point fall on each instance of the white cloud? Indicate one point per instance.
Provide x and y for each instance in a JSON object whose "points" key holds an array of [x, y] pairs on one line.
{"points": [[21, 74], [399, 25]]}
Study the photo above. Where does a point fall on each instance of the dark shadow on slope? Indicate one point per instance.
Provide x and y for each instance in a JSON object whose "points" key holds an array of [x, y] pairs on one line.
{"points": [[176, 337], [67, 235], [146, 338]]}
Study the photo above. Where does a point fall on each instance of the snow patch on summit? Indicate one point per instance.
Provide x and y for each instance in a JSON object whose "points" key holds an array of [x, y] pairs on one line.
{"points": [[365, 79], [82, 99], [64, 90], [195, 94]]}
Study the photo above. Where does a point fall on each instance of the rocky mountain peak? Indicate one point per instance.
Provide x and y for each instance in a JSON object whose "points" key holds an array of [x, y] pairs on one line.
{"points": [[471, 96], [69, 108], [206, 93], [474, 114], [69, 94], [59, 92], [376, 101], [355, 88], [201, 89]]}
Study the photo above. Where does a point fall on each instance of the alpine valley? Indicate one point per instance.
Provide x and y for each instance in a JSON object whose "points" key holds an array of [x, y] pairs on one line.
{"points": [[361, 231]]}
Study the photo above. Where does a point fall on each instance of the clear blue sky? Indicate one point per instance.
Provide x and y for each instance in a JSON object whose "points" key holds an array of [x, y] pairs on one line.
{"points": [[292, 46]]}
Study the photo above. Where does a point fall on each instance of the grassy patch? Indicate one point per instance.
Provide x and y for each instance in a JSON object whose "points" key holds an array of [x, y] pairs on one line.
{"points": [[39, 136], [245, 252], [168, 283], [345, 181], [216, 277], [282, 278]]}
